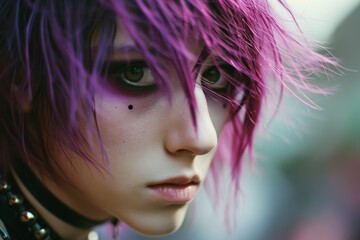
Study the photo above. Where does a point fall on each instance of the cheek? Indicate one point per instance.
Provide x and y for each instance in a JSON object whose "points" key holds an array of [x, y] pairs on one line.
{"points": [[203, 162], [120, 130], [122, 118], [219, 112], [129, 127]]}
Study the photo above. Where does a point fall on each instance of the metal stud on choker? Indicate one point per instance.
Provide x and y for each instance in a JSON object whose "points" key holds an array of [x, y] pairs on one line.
{"points": [[26, 216], [29, 218]]}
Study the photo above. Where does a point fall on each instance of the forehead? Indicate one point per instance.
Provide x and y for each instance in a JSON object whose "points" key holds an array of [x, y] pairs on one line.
{"points": [[122, 36], [189, 47]]}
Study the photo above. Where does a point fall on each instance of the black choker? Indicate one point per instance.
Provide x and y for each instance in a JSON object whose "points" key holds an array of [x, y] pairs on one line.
{"points": [[21, 216], [50, 202]]}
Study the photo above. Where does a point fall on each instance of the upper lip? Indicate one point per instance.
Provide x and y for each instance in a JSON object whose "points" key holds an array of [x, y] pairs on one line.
{"points": [[180, 180]]}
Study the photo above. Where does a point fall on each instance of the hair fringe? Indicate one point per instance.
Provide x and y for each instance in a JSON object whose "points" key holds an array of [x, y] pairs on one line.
{"points": [[45, 52]]}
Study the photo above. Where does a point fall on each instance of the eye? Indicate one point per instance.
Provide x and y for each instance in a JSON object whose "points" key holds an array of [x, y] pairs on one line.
{"points": [[217, 79], [134, 74]]}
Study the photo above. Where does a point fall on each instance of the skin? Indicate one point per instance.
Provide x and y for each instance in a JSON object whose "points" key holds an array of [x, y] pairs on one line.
{"points": [[156, 140]]}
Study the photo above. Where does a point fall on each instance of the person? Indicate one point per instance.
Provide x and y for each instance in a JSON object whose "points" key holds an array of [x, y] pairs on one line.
{"points": [[113, 110]]}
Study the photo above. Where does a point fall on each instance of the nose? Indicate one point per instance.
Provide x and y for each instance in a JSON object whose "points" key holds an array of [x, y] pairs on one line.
{"points": [[183, 136]]}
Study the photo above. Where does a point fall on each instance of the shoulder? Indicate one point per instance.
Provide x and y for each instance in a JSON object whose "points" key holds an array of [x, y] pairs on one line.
{"points": [[3, 232]]}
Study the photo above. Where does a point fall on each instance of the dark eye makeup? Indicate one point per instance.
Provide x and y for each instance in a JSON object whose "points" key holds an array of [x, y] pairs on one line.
{"points": [[134, 75], [216, 78], [131, 75]]}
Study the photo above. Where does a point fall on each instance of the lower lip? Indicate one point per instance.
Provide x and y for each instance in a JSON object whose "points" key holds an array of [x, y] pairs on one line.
{"points": [[173, 193]]}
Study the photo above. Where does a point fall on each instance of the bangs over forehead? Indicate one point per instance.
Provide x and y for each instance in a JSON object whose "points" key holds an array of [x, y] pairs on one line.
{"points": [[164, 30]]}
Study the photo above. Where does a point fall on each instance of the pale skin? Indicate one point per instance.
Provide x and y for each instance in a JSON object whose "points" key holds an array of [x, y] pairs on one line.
{"points": [[155, 140]]}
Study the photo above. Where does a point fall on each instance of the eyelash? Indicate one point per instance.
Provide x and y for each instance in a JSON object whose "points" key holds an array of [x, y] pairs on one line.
{"points": [[225, 72], [116, 71], [116, 74]]}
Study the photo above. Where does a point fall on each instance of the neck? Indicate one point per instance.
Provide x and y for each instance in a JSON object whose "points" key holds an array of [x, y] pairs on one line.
{"points": [[65, 229]]}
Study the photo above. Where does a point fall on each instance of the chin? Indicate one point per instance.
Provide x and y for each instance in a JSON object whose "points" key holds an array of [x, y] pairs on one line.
{"points": [[158, 224], [158, 231]]}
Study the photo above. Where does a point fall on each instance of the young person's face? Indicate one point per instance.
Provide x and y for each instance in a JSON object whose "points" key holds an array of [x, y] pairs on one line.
{"points": [[157, 157]]}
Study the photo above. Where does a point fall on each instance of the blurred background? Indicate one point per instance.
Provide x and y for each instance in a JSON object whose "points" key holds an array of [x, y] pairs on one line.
{"points": [[305, 184]]}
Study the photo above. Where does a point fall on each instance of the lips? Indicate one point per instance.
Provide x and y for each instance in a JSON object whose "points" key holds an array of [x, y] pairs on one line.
{"points": [[176, 190]]}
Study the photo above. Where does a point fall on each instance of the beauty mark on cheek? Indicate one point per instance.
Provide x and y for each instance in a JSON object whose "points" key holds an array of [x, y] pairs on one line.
{"points": [[130, 107]]}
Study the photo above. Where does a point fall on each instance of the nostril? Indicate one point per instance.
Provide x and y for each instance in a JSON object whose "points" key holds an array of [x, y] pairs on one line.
{"points": [[191, 142]]}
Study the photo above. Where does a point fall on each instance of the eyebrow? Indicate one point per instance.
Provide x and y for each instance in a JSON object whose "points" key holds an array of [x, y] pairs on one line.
{"points": [[119, 49], [125, 49], [204, 54], [132, 49]]}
